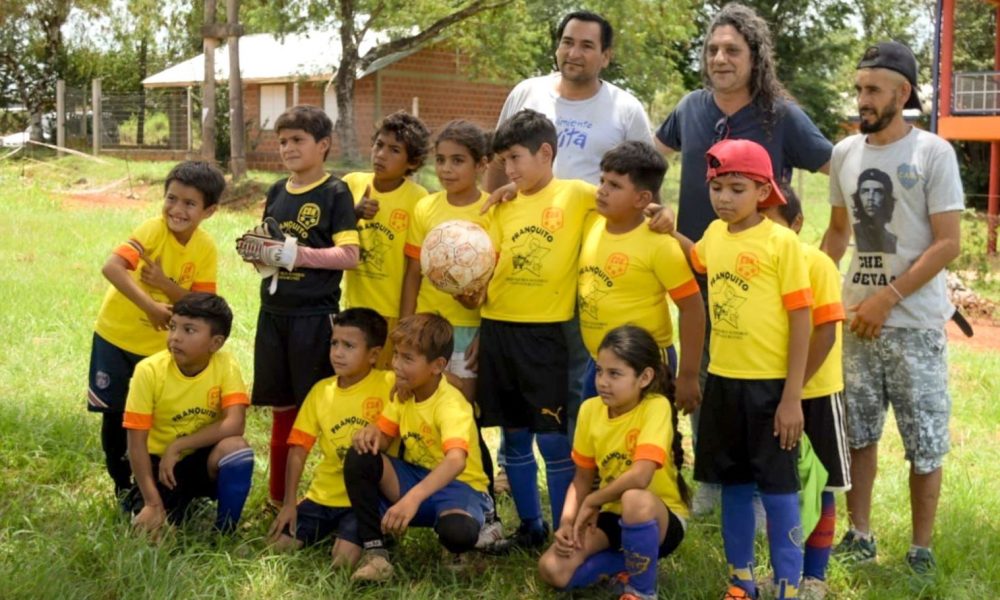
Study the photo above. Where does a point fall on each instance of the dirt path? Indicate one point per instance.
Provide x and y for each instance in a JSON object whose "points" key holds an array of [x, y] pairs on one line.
{"points": [[986, 338]]}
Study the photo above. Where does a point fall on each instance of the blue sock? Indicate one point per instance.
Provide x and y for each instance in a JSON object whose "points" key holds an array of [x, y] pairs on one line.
{"points": [[522, 473], [820, 541], [559, 469], [232, 487], [737, 534], [784, 537], [603, 564], [641, 547]]}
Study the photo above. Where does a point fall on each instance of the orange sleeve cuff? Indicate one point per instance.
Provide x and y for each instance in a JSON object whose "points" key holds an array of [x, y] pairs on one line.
{"points": [[387, 427], [695, 263], [455, 443], [234, 399], [798, 299], [130, 251], [134, 420], [585, 462], [650, 452], [828, 313], [203, 286], [411, 251], [684, 290], [300, 438]]}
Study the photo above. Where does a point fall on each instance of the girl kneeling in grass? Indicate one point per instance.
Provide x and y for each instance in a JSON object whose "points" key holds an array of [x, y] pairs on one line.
{"points": [[624, 437]]}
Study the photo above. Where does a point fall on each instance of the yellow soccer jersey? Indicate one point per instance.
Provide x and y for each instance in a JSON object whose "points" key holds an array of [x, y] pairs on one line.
{"points": [[824, 278], [192, 266], [170, 404], [538, 238], [754, 278], [430, 428], [333, 415], [612, 445], [625, 278], [377, 282], [430, 212]]}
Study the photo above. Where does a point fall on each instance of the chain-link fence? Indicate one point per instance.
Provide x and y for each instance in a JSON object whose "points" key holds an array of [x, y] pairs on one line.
{"points": [[147, 119]]}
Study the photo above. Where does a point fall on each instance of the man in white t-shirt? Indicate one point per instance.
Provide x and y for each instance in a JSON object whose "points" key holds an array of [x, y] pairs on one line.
{"points": [[591, 116], [898, 189]]}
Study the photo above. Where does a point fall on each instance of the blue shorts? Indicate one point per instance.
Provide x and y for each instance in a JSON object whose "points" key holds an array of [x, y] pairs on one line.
{"points": [[315, 522], [111, 371], [457, 495]]}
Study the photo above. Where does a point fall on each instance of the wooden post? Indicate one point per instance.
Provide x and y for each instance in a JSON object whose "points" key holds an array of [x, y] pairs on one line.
{"points": [[60, 113], [190, 113], [95, 101], [415, 107], [209, 44], [237, 128], [295, 93], [993, 202]]}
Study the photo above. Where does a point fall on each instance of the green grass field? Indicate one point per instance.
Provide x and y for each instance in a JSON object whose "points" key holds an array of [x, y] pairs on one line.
{"points": [[60, 534]]}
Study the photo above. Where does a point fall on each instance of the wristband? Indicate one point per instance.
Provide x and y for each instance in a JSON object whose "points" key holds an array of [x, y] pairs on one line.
{"points": [[895, 291]]}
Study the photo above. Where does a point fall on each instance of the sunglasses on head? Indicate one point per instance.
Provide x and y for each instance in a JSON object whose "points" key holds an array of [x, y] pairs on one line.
{"points": [[721, 129]]}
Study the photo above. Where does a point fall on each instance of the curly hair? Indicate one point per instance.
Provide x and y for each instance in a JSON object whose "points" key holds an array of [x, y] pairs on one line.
{"points": [[413, 134], [765, 89]]}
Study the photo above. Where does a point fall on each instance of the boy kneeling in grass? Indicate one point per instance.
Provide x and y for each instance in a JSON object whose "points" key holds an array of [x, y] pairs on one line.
{"points": [[441, 482], [185, 415]]}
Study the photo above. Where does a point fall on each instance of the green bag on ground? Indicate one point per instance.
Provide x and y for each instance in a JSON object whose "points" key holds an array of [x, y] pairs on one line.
{"points": [[812, 480]]}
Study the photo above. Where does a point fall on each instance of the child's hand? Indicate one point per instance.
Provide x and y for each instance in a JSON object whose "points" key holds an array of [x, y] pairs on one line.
{"points": [[472, 355], [563, 544], [159, 315], [287, 517], [788, 422], [366, 440], [366, 208], [399, 515], [472, 298], [687, 394], [152, 274], [586, 518], [150, 519], [167, 463], [661, 218]]}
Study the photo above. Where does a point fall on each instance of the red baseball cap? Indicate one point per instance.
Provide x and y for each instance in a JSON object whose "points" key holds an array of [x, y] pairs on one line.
{"points": [[746, 158]]}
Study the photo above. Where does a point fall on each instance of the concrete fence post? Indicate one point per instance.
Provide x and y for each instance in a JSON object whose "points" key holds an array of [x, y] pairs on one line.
{"points": [[61, 113], [95, 101]]}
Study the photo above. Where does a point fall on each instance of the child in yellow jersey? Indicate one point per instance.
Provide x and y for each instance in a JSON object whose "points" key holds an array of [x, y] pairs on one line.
{"points": [[440, 482], [636, 515], [461, 153], [335, 409], [822, 395], [185, 415], [751, 419], [292, 341], [627, 271], [164, 258], [384, 202]]}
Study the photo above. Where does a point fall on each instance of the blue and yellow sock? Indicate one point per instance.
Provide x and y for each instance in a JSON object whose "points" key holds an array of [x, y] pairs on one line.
{"points": [[817, 555], [737, 534], [784, 537], [522, 473], [559, 469], [232, 487], [641, 546], [606, 563]]}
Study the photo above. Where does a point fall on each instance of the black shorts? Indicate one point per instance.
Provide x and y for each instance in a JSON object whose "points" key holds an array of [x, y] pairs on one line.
{"points": [[610, 524], [523, 370], [736, 441], [315, 522], [290, 355], [193, 481], [111, 371], [826, 426]]}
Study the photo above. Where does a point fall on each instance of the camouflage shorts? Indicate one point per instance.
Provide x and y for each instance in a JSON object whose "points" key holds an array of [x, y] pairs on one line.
{"points": [[907, 368]]}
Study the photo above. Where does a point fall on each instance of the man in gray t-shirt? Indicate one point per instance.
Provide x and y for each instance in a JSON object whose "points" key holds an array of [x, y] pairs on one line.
{"points": [[898, 190]]}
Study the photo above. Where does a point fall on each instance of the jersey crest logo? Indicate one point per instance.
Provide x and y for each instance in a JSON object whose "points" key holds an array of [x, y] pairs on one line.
{"points": [[553, 413], [589, 302], [187, 274], [102, 379], [399, 220], [215, 398], [631, 438], [617, 264], [747, 265], [552, 218], [371, 409], [308, 215], [908, 175]]}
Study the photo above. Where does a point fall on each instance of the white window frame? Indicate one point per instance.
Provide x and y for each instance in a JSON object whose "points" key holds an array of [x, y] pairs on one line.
{"points": [[330, 103], [273, 102]]}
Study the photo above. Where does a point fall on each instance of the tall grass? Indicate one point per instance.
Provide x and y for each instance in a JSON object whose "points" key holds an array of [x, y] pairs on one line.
{"points": [[60, 534]]}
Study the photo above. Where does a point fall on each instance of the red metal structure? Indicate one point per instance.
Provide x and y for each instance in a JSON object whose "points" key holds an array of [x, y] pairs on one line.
{"points": [[967, 104]]}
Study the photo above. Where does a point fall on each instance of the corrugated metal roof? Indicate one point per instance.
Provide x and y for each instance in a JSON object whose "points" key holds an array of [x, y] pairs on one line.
{"points": [[265, 58]]}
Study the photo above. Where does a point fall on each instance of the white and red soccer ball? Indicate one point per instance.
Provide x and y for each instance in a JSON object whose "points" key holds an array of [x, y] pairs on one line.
{"points": [[457, 257]]}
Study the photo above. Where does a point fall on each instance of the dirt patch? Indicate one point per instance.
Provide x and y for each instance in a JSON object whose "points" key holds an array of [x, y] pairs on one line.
{"points": [[986, 336]]}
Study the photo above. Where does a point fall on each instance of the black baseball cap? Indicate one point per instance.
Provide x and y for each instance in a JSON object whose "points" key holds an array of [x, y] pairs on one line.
{"points": [[895, 57]]}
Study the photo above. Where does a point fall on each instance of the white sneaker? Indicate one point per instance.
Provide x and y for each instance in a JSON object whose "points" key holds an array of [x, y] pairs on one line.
{"points": [[813, 589], [491, 533], [706, 498]]}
